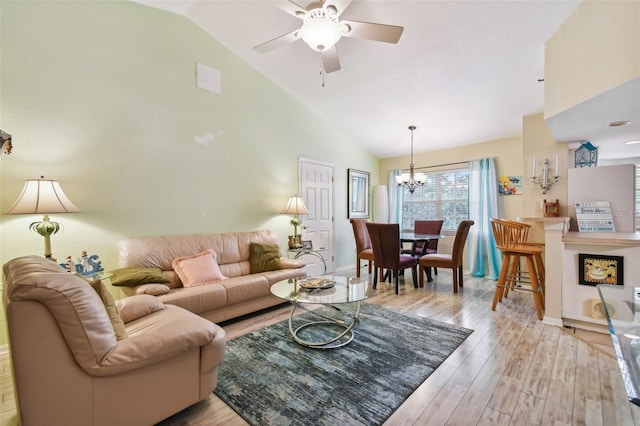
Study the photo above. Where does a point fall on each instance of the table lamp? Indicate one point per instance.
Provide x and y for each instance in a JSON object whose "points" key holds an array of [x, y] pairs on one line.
{"points": [[43, 196], [296, 207]]}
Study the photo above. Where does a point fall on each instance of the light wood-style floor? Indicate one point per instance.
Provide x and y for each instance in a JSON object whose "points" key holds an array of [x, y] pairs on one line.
{"points": [[513, 370]]}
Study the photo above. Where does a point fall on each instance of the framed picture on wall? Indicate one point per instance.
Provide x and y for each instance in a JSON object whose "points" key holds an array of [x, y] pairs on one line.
{"points": [[594, 269], [358, 194]]}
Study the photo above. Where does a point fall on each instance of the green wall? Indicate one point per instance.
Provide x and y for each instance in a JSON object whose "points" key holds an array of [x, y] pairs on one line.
{"points": [[101, 95]]}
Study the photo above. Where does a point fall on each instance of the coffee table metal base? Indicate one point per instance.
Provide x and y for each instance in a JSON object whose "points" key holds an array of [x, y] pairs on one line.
{"points": [[345, 328]]}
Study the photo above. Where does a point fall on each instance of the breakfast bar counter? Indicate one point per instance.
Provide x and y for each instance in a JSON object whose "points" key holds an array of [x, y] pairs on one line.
{"points": [[579, 296], [604, 238]]}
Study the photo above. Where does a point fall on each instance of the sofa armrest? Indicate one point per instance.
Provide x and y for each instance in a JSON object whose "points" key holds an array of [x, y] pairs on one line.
{"points": [[154, 338], [291, 263]]}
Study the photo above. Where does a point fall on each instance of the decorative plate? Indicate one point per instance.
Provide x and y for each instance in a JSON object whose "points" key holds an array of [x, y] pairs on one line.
{"points": [[316, 283]]}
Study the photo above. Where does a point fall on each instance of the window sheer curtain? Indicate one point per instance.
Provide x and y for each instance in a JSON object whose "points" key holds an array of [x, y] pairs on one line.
{"points": [[484, 257], [395, 197]]}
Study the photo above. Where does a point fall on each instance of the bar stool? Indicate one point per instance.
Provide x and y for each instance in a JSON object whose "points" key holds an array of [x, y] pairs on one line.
{"points": [[523, 239], [511, 239]]}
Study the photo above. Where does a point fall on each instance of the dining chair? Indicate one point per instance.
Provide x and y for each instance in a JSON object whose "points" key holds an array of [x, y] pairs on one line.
{"points": [[453, 260], [511, 240], [426, 227], [363, 243], [385, 241]]}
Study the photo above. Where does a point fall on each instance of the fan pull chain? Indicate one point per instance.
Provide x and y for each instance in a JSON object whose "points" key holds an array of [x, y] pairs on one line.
{"points": [[322, 73]]}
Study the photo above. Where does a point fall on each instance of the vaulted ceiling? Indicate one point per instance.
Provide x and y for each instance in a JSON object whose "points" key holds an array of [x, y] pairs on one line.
{"points": [[463, 72]]}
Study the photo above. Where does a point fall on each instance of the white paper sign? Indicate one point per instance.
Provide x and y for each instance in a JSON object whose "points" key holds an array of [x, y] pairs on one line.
{"points": [[594, 216]]}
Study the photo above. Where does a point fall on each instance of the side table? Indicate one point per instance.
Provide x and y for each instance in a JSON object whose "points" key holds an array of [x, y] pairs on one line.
{"points": [[621, 308], [303, 251], [102, 275]]}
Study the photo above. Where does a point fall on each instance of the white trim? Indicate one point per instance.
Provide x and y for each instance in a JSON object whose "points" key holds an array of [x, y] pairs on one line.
{"points": [[347, 268], [585, 326], [556, 322]]}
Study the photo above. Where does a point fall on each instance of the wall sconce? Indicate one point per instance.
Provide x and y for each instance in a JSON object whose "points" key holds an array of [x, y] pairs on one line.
{"points": [[544, 181]]}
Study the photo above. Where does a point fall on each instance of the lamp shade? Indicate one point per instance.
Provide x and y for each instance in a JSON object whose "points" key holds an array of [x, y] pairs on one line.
{"points": [[43, 196], [295, 206]]}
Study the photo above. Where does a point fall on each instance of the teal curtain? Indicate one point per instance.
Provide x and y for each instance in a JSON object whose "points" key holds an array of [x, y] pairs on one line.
{"points": [[484, 258]]}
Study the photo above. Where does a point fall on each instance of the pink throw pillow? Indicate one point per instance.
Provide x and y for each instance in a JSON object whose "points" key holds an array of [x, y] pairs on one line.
{"points": [[198, 269]]}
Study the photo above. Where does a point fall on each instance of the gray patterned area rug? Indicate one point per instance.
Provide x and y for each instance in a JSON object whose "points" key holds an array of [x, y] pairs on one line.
{"points": [[268, 379]]}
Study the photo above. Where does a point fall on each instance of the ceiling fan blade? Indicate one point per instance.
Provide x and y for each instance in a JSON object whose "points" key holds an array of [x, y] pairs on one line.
{"points": [[277, 42], [376, 32], [291, 8], [340, 5], [330, 61]]}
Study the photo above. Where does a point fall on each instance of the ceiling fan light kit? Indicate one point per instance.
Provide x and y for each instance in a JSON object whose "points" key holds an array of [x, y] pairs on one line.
{"points": [[322, 29]]}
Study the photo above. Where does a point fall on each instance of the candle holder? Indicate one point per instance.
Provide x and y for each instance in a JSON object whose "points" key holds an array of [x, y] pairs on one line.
{"points": [[545, 181]]}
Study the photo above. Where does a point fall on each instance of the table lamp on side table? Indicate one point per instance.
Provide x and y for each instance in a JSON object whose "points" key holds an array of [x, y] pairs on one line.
{"points": [[296, 207], [43, 196]]}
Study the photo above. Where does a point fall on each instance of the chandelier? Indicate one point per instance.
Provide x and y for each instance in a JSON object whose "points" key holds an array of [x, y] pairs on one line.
{"points": [[411, 180]]}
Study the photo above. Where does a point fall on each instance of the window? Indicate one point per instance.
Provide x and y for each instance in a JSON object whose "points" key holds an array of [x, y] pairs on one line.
{"points": [[445, 195]]}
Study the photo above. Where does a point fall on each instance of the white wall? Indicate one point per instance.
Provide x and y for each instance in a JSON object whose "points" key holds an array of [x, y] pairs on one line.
{"points": [[595, 50], [102, 97]]}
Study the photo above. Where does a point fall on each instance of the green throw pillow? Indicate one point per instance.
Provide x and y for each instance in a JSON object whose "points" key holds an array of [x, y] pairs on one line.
{"points": [[131, 277], [112, 309], [264, 257]]}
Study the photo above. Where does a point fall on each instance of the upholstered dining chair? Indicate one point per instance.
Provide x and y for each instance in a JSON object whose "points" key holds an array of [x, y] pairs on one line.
{"points": [[426, 227], [453, 260], [363, 243], [385, 241]]}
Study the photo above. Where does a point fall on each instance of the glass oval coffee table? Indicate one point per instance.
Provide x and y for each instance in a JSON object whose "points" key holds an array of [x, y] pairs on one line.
{"points": [[342, 295]]}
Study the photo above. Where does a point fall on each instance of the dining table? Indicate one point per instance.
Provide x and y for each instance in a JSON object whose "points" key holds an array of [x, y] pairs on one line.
{"points": [[414, 239]]}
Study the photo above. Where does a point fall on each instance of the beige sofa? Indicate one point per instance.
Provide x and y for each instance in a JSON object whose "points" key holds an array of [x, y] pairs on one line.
{"points": [[71, 369], [241, 294]]}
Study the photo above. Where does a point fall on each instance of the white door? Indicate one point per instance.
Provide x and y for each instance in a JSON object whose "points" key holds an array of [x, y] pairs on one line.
{"points": [[316, 188]]}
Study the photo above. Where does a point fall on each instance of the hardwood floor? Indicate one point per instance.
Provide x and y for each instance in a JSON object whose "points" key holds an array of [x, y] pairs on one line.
{"points": [[512, 370]]}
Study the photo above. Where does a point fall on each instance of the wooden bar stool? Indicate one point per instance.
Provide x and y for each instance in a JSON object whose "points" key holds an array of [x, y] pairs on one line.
{"points": [[510, 239], [520, 235]]}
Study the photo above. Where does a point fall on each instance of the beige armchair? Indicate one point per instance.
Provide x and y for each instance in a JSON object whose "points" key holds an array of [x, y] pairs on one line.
{"points": [[70, 369]]}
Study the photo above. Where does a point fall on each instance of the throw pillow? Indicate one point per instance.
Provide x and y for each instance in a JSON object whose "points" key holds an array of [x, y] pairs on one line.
{"points": [[134, 307], [152, 289], [264, 257], [198, 269], [130, 277], [112, 309]]}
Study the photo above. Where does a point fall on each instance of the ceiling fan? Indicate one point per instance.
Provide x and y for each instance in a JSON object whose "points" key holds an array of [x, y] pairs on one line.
{"points": [[321, 29]]}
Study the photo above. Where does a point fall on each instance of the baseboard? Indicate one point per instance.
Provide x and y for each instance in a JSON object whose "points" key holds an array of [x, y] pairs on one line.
{"points": [[347, 268], [587, 326], [556, 322]]}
